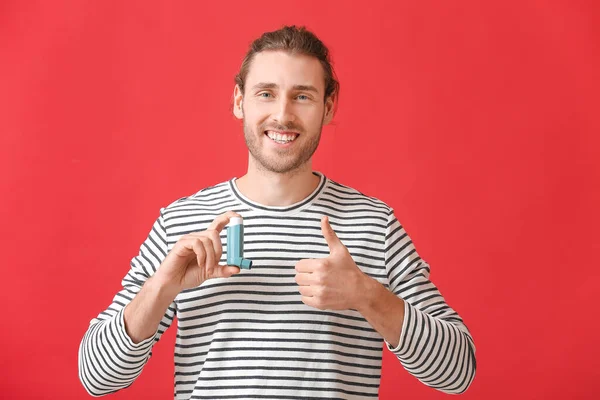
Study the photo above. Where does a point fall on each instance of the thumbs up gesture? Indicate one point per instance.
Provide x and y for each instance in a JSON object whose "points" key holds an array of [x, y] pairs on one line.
{"points": [[334, 282]]}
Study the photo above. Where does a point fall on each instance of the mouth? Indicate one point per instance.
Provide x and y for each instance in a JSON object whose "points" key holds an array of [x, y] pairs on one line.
{"points": [[282, 137]]}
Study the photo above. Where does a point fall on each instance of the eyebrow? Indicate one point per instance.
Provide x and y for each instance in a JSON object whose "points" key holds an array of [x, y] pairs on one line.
{"points": [[269, 85]]}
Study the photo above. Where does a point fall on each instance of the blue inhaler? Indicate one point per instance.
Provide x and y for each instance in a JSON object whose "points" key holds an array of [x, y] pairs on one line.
{"points": [[235, 244]]}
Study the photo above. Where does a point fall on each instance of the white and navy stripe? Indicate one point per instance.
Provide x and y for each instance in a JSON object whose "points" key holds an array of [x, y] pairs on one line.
{"points": [[250, 336]]}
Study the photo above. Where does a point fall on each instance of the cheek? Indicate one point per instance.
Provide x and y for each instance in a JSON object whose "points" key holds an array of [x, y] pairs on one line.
{"points": [[312, 117], [255, 118]]}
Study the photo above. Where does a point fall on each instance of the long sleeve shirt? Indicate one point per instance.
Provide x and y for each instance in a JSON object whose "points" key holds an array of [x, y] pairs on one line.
{"points": [[250, 335]]}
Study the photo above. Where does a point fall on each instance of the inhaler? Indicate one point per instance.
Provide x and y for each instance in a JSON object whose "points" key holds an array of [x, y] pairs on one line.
{"points": [[235, 244]]}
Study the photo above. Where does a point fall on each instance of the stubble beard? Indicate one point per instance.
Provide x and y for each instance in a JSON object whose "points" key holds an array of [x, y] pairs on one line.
{"points": [[284, 161]]}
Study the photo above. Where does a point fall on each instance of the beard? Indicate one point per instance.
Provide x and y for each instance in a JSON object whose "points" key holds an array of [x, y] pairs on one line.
{"points": [[283, 160]]}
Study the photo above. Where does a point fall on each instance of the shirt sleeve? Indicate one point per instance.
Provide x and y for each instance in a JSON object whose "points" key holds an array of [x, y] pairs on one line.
{"points": [[109, 360], [435, 345]]}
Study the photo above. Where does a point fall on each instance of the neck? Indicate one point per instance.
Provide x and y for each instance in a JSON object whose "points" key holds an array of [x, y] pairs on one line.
{"points": [[277, 189]]}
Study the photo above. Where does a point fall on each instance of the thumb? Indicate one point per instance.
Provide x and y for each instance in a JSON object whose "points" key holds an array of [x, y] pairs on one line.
{"points": [[223, 271], [331, 238]]}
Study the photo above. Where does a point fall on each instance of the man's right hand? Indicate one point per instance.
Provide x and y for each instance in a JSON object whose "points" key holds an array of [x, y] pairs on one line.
{"points": [[195, 258]]}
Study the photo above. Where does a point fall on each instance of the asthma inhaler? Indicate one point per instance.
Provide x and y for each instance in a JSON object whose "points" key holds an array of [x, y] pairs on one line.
{"points": [[235, 244]]}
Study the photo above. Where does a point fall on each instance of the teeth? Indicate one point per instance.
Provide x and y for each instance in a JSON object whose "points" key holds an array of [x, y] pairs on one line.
{"points": [[281, 138]]}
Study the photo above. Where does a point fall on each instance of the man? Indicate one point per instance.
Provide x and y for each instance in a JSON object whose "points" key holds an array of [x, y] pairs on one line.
{"points": [[333, 270]]}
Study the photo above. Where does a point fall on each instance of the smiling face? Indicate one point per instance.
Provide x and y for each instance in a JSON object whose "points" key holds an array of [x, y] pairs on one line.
{"points": [[283, 109]]}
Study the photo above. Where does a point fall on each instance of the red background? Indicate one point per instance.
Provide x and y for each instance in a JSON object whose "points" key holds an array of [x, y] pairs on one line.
{"points": [[477, 121]]}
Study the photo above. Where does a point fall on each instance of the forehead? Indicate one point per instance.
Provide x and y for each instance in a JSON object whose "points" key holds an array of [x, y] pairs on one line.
{"points": [[286, 70]]}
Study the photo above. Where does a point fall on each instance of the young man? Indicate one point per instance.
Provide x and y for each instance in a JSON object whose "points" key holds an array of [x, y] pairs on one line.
{"points": [[334, 273]]}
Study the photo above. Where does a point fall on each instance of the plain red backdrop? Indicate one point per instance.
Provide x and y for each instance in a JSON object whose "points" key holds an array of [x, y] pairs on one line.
{"points": [[477, 121]]}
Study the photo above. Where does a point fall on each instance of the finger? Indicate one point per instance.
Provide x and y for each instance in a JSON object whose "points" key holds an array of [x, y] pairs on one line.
{"points": [[311, 301], [184, 248], [215, 239], [209, 260], [304, 279], [308, 291], [188, 247], [198, 248], [219, 223], [305, 266], [331, 237], [193, 247]]}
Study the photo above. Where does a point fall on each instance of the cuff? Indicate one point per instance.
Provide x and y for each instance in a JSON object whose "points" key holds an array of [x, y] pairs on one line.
{"points": [[120, 328], [407, 327]]}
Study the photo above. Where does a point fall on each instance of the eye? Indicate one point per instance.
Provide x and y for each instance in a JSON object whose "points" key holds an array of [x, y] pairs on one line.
{"points": [[303, 97], [264, 95]]}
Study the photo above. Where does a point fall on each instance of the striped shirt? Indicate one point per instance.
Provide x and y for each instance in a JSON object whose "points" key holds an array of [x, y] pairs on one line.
{"points": [[250, 336]]}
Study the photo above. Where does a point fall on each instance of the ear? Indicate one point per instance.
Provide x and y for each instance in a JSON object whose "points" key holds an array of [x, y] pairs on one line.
{"points": [[328, 110], [237, 103]]}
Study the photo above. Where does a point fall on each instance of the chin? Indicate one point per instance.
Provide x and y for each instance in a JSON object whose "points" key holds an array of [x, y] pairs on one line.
{"points": [[279, 167]]}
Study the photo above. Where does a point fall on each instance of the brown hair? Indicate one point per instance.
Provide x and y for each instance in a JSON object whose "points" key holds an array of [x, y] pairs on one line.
{"points": [[294, 40]]}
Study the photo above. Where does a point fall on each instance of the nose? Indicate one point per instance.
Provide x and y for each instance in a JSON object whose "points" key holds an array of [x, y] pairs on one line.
{"points": [[285, 111]]}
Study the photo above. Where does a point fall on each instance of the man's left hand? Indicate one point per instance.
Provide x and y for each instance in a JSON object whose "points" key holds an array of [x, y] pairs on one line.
{"points": [[334, 282]]}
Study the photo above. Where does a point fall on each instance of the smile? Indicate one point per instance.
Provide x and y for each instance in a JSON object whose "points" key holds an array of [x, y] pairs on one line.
{"points": [[281, 138]]}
